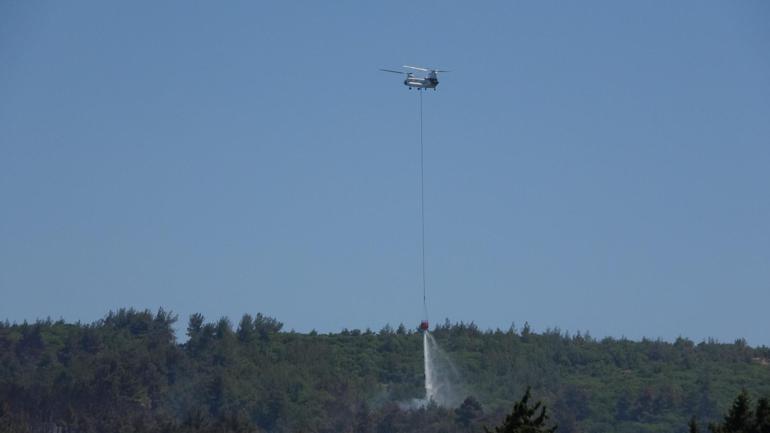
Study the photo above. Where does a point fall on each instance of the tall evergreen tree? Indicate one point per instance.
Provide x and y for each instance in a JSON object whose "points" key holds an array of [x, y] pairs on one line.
{"points": [[762, 416], [468, 412], [524, 418], [738, 419], [692, 426], [246, 329]]}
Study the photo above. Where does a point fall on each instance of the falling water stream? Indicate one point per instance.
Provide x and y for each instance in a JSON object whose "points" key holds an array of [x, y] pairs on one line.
{"points": [[430, 388], [441, 377]]}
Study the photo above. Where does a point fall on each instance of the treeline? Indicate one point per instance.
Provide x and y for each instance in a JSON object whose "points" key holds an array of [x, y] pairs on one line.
{"points": [[127, 373]]}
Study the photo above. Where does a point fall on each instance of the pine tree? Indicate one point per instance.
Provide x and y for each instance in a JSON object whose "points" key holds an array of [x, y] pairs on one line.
{"points": [[363, 419], [738, 418], [692, 426], [762, 416], [246, 329], [523, 419], [469, 411]]}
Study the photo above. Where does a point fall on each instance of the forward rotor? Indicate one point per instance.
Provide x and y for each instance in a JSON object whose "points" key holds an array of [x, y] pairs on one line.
{"points": [[420, 68], [396, 72]]}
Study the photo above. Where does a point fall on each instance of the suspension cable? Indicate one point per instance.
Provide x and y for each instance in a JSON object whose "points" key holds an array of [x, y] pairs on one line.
{"points": [[422, 216]]}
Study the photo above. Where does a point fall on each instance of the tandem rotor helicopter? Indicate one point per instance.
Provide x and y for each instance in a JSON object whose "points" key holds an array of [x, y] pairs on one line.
{"points": [[429, 81]]}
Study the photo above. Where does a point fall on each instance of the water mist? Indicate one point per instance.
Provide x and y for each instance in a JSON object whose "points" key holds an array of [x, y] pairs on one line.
{"points": [[441, 376]]}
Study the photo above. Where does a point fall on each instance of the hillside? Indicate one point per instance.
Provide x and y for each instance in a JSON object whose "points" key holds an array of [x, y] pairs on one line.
{"points": [[127, 372]]}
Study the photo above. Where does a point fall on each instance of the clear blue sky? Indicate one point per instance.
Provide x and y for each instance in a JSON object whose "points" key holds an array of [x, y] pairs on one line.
{"points": [[600, 166]]}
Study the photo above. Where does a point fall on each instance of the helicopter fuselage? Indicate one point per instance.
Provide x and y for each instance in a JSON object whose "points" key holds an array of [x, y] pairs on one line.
{"points": [[427, 81], [421, 83]]}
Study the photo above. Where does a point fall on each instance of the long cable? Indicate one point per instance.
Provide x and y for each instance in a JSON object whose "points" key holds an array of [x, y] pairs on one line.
{"points": [[422, 216]]}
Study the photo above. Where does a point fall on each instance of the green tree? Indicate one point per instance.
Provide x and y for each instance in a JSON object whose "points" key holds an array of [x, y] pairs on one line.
{"points": [[762, 416], [194, 325], [468, 412], [363, 419], [525, 418], [738, 419], [265, 326], [246, 329], [692, 426]]}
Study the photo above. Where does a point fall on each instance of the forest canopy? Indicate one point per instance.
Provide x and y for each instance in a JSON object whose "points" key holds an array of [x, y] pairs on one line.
{"points": [[127, 372]]}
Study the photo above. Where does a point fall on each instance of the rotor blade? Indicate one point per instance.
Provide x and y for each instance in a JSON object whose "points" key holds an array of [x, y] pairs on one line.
{"points": [[418, 68], [441, 70], [395, 72]]}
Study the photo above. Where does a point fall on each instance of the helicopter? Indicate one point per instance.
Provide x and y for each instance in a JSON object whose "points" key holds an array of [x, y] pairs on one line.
{"points": [[429, 81]]}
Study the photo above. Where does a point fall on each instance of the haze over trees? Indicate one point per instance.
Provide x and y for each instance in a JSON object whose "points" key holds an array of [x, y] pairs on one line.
{"points": [[128, 373]]}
